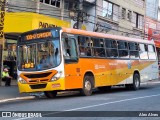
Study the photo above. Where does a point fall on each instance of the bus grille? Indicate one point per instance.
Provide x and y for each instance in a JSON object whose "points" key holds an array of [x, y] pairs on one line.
{"points": [[39, 86], [38, 75]]}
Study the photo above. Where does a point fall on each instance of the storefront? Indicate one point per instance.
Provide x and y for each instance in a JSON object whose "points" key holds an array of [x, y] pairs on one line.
{"points": [[152, 31], [17, 23]]}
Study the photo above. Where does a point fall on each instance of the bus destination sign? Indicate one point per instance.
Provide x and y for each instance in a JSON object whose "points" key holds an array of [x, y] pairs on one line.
{"points": [[38, 35]]}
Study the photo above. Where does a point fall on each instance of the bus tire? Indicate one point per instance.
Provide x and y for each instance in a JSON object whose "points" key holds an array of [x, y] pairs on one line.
{"points": [[136, 83], [104, 88], [50, 94], [87, 86]]}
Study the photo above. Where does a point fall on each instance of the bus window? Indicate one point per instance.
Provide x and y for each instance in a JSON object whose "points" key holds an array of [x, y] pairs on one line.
{"points": [[82, 51], [89, 42], [66, 47], [143, 51], [98, 47], [123, 49], [85, 44], [89, 45], [99, 52], [81, 40], [133, 50], [111, 48], [151, 52], [69, 49], [97, 42], [48, 54], [27, 57]]}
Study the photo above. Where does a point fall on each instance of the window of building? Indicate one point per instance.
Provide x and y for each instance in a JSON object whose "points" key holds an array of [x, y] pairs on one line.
{"points": [[123, 13], [115, 12], [107, 9], [55, 3], [110, 10], [139, 3], [129, 15], [69, 5], [137, 20]]}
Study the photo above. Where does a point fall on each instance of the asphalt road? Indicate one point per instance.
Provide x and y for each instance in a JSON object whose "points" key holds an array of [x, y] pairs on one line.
{"points": [[128, 105]]}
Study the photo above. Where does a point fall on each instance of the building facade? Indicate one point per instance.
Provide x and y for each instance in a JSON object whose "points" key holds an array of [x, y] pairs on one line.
{"points": [[152, 24], [152, 9], [123, 17]]}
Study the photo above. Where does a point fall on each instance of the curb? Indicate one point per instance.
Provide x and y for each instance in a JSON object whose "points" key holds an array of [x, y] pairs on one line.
{"points": [[17, 98]]}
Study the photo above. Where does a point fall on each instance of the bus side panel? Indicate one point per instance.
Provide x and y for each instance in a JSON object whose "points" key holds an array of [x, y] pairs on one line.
{"points": [[99, 68], [146, 68], [106, 72], [73, 78]]}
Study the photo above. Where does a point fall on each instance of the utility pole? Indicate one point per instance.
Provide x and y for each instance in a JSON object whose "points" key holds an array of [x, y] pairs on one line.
{"points": [[2, 14], [80, 13]]}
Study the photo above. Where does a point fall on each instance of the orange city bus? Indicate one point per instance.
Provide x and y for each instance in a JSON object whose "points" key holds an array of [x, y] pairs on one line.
{"points": [[57, 59]]}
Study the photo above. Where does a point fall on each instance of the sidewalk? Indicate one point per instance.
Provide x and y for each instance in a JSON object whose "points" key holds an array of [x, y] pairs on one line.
{"points": [[11, 91]]}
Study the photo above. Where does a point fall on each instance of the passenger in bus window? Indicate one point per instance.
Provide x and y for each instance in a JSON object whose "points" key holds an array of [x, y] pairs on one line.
{"points": [[43, 59], [101, 52], [101, 43], [96, 53], [109, 52], [114, 44], [51, 59], [89, 42], [66, 47], [44, 62], [88, 50], [82, 51]]}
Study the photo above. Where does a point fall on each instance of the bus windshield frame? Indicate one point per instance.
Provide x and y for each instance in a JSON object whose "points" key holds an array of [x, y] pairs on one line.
{"points": [[39, 54]]}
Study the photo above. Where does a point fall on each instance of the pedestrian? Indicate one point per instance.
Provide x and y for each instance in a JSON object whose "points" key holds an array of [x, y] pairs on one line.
{"points": [[6, 78]]}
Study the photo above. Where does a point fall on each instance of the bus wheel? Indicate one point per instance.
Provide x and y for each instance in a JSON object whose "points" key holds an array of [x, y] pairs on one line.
{"points": [[104, 88], [50, 94], [87, 86], [136, 83]]}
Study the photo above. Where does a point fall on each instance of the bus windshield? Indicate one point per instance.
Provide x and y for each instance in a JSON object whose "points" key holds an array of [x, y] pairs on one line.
{"points": [[39, 55]]}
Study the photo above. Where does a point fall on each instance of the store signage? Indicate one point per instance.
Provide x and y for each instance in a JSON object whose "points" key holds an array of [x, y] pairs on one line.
{"points": [[38, 35], [46, 25]]}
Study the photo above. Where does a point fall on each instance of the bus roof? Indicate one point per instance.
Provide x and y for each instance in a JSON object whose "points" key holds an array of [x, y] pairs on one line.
{"points": [[102, 35], [91, 34]]}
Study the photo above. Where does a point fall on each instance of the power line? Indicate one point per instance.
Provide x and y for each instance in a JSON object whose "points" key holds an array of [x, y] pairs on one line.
{"points": [[90, 22]]}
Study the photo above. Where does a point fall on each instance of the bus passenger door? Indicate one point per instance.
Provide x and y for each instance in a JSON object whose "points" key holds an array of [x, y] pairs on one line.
{"points": [[71, 67]]}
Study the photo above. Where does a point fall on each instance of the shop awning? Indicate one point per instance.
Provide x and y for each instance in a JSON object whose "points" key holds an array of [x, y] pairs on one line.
{"points": [[20, 22]]}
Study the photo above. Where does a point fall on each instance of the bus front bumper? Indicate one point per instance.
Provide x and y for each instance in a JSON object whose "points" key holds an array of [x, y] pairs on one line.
{"points": [[40, 87]]}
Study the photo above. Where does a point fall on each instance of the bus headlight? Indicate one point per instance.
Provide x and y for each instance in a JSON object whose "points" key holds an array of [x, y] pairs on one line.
{"points": [[56, 76], [21, 80]]}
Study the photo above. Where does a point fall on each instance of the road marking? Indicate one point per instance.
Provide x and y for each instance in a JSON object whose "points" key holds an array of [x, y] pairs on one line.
{"points": [[17, 98], [91, 106], [151, 82]]}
